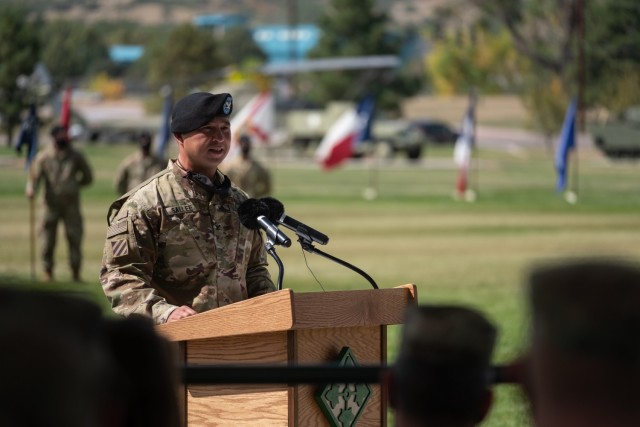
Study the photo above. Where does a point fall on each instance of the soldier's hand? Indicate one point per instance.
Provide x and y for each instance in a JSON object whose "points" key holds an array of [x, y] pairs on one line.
{"points": [[180, 313]]}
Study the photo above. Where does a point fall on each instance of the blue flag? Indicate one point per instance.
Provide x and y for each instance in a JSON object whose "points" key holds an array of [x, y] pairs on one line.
{"points": [[567, 143], [366, 110], [165, 131], [28, 135]]}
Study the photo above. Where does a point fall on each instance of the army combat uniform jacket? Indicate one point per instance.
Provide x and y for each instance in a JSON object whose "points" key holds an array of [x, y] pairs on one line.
{"points": [[171, 242], [134, 170]]}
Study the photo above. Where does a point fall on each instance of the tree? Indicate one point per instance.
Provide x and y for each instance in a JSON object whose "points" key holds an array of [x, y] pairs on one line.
{"points": [[357, 28], [545, 32], [72, 50], [479, 60], [19, 52], [237, 46], [612, 54], [188, 57]]}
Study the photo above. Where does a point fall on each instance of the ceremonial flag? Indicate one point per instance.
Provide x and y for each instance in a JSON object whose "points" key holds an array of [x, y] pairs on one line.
{"points": [[566, 144], [65, 110], [164, 135], [28, 135], [256, 119], [463, 149], [351, 128]]}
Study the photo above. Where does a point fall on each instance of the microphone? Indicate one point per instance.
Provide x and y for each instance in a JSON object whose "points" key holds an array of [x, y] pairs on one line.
{"points": [[276, 214], [254, 213]]}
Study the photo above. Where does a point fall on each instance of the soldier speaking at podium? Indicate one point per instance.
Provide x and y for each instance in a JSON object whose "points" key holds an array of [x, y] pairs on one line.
{"points": [[175, 245]]}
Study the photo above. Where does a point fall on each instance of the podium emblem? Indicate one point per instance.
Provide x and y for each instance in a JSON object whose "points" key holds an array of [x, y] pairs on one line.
{"points": [[343, 404]]}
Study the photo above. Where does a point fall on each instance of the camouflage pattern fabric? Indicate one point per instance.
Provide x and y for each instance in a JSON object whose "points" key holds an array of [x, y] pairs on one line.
{"points": [[250, 176], [134, 170], [63, 174], [172, 243]]}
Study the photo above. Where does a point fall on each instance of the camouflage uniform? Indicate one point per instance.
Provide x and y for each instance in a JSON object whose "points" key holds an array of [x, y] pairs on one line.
{"points": [[63, 173], [250, 176], [171, 243], [134, 170]]}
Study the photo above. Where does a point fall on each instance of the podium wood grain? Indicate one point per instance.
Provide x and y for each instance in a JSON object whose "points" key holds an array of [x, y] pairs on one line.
{"points": [[280, 328]]}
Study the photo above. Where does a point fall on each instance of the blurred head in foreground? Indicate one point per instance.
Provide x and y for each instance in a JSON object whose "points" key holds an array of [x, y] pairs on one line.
{"points": [[584, 360], [441, 376], [64, 364]]}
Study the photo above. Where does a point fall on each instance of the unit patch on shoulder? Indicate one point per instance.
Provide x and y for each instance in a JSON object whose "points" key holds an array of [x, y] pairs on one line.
{"points": [[117, 228], [119, 247]]}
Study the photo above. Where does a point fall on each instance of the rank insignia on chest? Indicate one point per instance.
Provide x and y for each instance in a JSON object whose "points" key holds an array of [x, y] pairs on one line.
{"points": [[119, 248]]}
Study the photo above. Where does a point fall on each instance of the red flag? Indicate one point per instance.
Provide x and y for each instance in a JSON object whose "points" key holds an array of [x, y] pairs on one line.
{"points": [[65, 111]]}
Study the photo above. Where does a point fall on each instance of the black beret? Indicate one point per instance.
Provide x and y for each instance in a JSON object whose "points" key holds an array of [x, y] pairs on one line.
{"points": [[197, 109]]}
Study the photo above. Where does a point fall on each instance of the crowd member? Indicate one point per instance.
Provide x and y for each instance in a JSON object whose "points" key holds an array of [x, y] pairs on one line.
{"points": [[583, 367], [247, 173], [137, 167], [63, 171], [78, 368], [175, 247], [442, 373]]}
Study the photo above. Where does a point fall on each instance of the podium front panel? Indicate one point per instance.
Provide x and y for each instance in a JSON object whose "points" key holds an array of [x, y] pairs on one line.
{"points": [[237, 405], [316, 346]]}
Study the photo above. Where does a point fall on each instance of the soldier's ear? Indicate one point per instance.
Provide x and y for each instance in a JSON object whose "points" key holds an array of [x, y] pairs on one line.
{"points": [[178, 137]]}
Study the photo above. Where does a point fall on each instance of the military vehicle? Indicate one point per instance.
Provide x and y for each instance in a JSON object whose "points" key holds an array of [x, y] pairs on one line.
{"points": [[619, 136]]}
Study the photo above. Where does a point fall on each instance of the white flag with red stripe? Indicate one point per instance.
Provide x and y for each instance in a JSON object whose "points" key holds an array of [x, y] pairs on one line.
{"points": [[256, 119], [462, 151]]}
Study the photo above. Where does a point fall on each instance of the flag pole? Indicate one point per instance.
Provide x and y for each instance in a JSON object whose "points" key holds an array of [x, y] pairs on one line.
{"points": [[580, 69], [32, 237], [475, 154]]}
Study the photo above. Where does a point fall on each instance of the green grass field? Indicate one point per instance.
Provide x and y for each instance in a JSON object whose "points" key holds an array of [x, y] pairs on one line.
{"points": [[475, 254]]}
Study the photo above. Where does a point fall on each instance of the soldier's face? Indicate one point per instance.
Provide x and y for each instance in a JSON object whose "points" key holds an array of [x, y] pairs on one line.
{"points": [[205, 148]]}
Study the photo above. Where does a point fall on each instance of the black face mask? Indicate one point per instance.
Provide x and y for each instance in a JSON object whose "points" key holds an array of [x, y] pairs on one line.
{"points": [[62, 143]]}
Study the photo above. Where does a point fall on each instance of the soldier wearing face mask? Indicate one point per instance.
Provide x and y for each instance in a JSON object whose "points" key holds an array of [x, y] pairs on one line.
{"points": [[62, 171]]}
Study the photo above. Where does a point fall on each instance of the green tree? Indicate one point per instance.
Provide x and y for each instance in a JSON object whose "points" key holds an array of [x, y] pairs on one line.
{"points": [[72, 50], [612, 54], [546, 33], [19, 52], [189, 57], [357, 28], [481, 59], [237, 47]]}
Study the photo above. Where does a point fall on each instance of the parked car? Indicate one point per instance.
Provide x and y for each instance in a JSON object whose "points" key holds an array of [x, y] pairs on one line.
{"points": [[436, 132]]}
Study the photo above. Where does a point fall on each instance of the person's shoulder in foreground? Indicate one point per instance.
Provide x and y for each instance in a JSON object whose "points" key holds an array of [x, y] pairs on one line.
{"points": [[442, 373], [582, 364]]}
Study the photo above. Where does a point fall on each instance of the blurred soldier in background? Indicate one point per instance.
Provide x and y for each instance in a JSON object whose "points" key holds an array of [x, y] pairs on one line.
{"points": [[441, 377], [583, 367], [137, 167], [247, 173], [63, 171]]}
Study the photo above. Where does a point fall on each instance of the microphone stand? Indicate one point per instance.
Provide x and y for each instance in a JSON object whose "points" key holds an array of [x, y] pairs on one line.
{"points": [[271, 250], [307, 245]]}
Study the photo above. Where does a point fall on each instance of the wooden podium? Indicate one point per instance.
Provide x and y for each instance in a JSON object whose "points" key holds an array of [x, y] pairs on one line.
{"points": [[284, 327]]}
